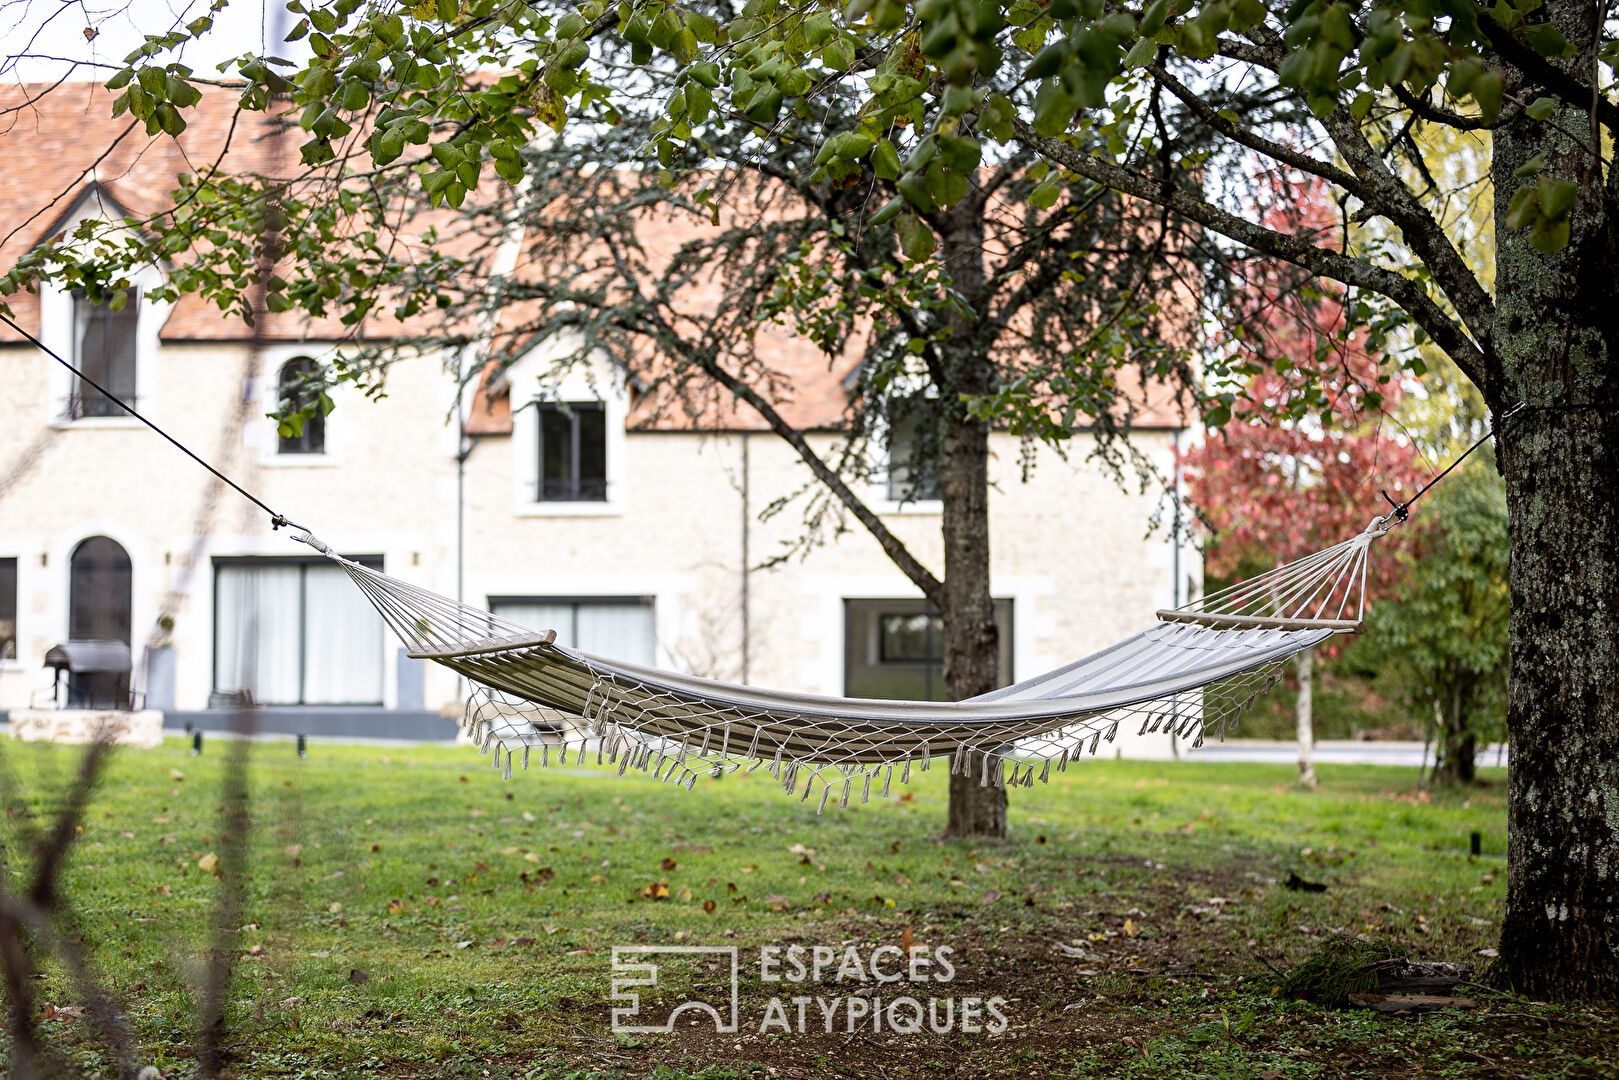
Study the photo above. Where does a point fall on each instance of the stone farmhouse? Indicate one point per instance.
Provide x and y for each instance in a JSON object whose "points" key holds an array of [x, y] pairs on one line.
{"points": [[552, 504]]}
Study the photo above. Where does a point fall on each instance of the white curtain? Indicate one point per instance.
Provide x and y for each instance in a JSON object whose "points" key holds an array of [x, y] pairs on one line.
{"points": [[297, 635], [343, 636], [257, 637], [618, 631], [542, 617]]}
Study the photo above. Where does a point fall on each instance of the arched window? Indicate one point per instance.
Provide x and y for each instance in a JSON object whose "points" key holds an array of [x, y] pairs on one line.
{"points": [[99, 592], [99, 610], [303, 421]]}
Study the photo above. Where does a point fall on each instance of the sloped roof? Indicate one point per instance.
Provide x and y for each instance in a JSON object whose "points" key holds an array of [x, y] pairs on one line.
{"points": [[60, 140]]}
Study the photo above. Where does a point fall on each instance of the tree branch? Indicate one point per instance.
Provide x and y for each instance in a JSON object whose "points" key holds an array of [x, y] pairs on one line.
{"points": [[1547, 74], [1386, 193], [1330, 264]]}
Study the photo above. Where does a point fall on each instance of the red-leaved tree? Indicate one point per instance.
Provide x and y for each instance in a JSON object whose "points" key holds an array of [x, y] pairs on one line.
{"points": [[1271, 488]]}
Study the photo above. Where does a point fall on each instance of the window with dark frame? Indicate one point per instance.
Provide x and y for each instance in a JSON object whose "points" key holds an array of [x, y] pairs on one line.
{"points": [[572, 452], [895, 649], [104, 346], [299, 388], [100, 608], [8, 609]]}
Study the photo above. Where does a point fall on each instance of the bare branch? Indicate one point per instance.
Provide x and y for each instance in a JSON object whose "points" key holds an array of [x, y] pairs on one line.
{"points": [[1404, 291]]}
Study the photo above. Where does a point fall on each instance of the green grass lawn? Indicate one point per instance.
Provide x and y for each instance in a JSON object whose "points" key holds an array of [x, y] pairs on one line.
{"points": [[410, 914]]}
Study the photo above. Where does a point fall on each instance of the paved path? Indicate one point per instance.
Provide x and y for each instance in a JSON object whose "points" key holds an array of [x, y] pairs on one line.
{"points": [[1330, 752]]}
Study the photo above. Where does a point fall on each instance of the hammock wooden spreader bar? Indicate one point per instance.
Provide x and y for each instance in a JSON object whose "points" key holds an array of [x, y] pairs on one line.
{"points": [[1190, 674]]}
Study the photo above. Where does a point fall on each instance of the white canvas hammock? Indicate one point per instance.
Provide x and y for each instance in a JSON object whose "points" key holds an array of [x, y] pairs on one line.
{"points": [[1190, 674]]}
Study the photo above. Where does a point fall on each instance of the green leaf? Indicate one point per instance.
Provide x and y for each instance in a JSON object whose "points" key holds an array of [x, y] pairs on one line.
{"points": [[1547, 40], [890, 210], [885, 160], [765, 106], [1044, 196], [1488, 92], [1531, 167], [916, 240], [819, 29], [1541, 108], [1549, 237], [1523, 207], [1556, 197], [1153, 18], [996, 118]]}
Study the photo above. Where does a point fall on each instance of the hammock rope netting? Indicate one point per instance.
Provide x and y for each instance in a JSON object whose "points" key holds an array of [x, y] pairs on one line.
{"points": [[1191, 674]]}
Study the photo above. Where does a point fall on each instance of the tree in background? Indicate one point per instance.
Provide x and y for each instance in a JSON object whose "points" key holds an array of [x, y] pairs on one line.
{"points": [[1302, 464], [1440, 638]]}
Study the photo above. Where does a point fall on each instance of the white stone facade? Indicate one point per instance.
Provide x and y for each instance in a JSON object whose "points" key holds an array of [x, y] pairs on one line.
{"points": [[1071, 547]]}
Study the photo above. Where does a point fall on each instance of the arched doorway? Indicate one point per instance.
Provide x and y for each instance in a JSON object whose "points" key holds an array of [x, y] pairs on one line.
{"points": [[99, 592], [99, 609]]}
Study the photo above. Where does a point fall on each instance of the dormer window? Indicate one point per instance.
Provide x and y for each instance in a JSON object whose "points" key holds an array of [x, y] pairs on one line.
{"points": [[302, 427], [573, 452], [104, 350]]}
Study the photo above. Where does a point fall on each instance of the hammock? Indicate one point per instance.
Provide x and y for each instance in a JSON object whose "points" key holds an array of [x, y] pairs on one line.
{"points": [[1192, 673]]}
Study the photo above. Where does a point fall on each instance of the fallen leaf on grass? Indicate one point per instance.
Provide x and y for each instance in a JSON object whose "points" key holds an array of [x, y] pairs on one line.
{"points": [[208, 862], [356, 976], [335, 906], [465, 944], [520, 941], [656, 891], [176, 774], [1130, 928], [667, 864], [709, 906], [396, 907], [292, 851]]}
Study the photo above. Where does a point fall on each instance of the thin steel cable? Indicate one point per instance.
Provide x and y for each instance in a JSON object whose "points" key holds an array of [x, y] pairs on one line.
{"points": [[276, 519]]}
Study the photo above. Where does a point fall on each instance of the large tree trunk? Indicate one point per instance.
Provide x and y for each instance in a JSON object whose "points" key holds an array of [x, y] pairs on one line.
{"points": [[1557, 340], [971, 639], [1560, 937]]}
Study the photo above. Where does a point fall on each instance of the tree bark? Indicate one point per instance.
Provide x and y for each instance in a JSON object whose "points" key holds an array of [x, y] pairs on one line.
{"points": [[1457, 745], [1557, 344], [1306, 718], [971, 638]]}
